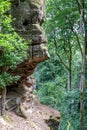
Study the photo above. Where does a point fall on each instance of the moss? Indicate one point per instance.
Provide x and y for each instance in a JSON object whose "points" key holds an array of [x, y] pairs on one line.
{"points": [[7, 118]]}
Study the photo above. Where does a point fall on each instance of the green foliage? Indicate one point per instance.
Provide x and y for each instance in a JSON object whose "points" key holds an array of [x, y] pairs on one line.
{"points": [[6, 79], [69, 108], [68, 103], [63, 26], [13, 49], [50, 94]]}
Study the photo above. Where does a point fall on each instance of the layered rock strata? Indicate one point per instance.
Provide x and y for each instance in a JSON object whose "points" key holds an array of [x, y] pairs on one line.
{"points": [[28, 17]]}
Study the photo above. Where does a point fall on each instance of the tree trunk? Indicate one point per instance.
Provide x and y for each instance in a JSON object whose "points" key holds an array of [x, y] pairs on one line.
{"points": [[83, 76], [69, 80], [70, 68], [3, 101], [82, 88], [69, 75]]}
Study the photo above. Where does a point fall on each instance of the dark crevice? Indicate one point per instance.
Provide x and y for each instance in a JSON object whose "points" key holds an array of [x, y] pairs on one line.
{"points": [[53, 124], [22, 0], [26, 22]]}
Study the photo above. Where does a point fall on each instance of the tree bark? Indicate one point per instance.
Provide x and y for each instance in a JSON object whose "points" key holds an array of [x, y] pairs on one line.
{"points": [[69, 80], [83, 77], [70, 67], [3, 101], [82, 88]]}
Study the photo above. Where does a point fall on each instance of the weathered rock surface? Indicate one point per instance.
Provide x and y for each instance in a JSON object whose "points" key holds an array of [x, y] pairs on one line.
{"points": [[25, 112], [28, 17]]}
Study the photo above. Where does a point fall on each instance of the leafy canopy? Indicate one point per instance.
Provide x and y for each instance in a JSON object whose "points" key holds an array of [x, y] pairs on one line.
{"points": [[13, 49]]}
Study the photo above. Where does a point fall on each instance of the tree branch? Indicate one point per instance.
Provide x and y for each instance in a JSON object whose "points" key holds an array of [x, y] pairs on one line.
{"points": [[79, 5], [71, 27], [61, 61], [65, 51]]}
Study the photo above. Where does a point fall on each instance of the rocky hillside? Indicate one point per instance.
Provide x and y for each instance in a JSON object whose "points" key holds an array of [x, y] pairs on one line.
{"points": [[28, 113]]}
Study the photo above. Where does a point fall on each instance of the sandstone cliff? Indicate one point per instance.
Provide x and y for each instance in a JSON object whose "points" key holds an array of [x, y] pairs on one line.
{"points": [[28, 17]]}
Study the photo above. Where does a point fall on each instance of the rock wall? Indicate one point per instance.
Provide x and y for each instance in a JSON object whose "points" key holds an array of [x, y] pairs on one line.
{"points": [[28, 17]]}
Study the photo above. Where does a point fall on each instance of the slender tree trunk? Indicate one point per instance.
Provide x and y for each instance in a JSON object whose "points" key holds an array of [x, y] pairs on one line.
{"points": [[82, 88], [83, 76], [70, 69], [69, 80], [3, 101], [69, 76]]}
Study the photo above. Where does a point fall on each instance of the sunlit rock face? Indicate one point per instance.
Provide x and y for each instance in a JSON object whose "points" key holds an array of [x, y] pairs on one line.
{"points": [[28, 17]]}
